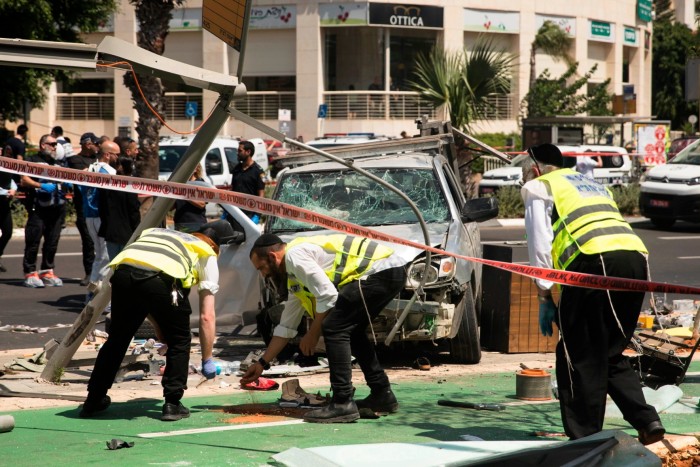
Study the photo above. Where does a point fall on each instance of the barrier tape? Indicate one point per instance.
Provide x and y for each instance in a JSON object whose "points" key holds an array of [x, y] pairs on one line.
{"points": [[287, 211]]}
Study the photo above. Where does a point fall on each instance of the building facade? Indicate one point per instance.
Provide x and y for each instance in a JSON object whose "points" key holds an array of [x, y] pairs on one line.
{"points": [[352, 61]]}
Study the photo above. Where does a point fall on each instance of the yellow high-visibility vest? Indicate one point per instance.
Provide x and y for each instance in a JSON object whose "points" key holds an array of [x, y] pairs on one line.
{"points": [[589, 221], [353, 257], [175, 253]]}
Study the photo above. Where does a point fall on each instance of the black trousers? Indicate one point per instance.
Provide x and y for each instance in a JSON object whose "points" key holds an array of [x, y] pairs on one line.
{"points": [[5, 223], [45, 222], [344, 330], [594, 342], [135, 294], [85, 238]]}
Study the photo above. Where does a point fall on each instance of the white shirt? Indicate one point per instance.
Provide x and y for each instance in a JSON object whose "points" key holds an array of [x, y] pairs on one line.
{"points": [[307, 263], [585, 166], [539, 204]]}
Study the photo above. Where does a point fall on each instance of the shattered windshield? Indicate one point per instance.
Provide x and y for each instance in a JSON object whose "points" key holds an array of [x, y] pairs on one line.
{"points": [[352, 197]]}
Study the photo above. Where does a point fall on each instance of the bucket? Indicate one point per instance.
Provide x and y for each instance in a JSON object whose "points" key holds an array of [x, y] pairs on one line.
{"points": [[533, 385]]}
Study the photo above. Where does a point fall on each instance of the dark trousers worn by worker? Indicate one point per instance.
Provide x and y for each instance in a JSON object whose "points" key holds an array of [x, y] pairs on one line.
{"points": [[45, 222], [594, 342], [344, 330], [137, 293]]}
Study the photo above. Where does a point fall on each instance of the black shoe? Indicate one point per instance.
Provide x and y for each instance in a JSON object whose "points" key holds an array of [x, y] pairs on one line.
{"points": [[380, 402], [174, 412], [2, 267], [92, 407], [653, 433], [336, 412], [85, 281]]}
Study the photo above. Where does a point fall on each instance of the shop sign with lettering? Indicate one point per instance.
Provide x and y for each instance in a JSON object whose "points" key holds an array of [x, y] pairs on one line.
{"points": [[406, 16]]}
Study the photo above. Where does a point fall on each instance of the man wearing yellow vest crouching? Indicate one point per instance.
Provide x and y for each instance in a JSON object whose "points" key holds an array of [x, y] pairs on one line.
{"points": [[573, 224], [342, 282], [153, 276]]}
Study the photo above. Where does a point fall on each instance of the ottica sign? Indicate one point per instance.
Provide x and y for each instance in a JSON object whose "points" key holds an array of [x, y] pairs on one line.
{"points": [[407, 16]]}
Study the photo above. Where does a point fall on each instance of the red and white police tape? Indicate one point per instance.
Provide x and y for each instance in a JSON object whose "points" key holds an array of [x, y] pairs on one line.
{"points": [[287, 211]]}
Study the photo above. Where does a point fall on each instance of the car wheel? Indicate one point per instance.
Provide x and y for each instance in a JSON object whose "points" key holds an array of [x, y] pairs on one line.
{"points": [[662, 223], [465, 346]]}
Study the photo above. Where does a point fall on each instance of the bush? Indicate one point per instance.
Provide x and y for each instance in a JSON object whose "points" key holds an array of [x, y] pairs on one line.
{"points": [[627, 199], [510, 204]]}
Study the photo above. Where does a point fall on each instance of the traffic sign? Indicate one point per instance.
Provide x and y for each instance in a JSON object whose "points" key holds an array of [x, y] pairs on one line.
{"points": [[191, 109], [322, 110]]}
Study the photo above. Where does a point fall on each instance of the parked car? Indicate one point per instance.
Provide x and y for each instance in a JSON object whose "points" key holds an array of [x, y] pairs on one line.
{"points": [[217, 163], [671, 191], [678, 144], [616, 169], [332, 140]]}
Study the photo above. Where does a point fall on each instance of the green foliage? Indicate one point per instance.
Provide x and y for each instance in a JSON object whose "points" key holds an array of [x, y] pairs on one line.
{"points": [[58, 20], [501, 141], [560, 96], [510, 203], [673, 43], [627, 199], [552, 40], [462, 82]]}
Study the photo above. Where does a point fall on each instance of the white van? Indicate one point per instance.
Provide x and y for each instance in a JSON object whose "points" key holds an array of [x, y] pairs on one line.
{"points": [[671, 191], [218, 162], [616, 169]]}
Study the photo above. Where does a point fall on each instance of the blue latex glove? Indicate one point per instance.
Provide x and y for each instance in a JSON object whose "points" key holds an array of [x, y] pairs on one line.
{"points": [[208, 368], [548, 311], [48, 187]]}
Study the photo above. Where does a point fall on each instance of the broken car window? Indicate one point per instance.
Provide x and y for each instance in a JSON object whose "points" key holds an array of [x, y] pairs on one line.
{"points": [[352, 197]]}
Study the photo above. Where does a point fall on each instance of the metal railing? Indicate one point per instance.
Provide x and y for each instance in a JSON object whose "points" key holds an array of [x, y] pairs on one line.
{"points": [[263, 105], [87, 106], [176, 103], [502, 107], [380, 105], [491, 163]]}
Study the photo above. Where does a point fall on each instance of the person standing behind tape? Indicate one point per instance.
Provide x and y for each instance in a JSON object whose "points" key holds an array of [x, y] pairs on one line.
{"points": [[342, 282], [247, 177], [46, 203], [153, 276], [573, 224]]}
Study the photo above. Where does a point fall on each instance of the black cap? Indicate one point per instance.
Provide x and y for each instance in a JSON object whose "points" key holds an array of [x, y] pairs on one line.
{"points": [[219, 231], [267, 239], [547, 154], [88, 137]]}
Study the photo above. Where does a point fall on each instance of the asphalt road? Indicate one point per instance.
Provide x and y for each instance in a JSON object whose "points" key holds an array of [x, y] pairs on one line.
{"points": [[675, 258]]}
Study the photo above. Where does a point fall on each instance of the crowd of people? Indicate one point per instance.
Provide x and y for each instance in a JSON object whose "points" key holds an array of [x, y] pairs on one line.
{"points": [[339, 282]]}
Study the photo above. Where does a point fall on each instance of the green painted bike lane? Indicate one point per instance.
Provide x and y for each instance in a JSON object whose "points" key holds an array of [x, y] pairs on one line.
{"points": [[59, 437]]}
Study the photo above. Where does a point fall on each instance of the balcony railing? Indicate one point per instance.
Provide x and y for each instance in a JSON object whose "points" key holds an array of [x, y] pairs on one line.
{"points": [[264, 105], [88, 106], [501, 107], [176, 103], [381, 105]]}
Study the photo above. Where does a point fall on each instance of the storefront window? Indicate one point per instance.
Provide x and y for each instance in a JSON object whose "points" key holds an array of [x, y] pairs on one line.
{"points": [[405, 47], [353, 58]]}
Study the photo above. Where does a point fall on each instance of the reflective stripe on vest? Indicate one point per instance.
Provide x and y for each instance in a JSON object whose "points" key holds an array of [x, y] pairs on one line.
{"points": [[353, 257], [589, 220], [175, 253]]}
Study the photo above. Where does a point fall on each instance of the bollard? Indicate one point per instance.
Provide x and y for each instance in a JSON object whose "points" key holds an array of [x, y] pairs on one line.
{"points": [[7, 423]]}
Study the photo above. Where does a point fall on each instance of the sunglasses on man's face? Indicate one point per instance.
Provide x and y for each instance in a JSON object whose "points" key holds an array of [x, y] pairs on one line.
{"points": [[54, 144]]}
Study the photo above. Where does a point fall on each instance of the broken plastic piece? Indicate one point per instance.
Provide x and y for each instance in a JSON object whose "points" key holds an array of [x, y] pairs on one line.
{"points": [[115, 443]]}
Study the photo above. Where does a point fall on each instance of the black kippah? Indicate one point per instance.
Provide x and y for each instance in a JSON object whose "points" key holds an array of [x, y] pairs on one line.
{"points": [[267, 239]]}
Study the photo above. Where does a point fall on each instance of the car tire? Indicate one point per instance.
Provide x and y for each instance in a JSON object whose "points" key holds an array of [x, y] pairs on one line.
{"points": [[662, 223], [465, 347]]}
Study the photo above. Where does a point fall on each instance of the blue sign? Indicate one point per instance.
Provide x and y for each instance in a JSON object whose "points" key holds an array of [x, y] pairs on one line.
{"points": [[190, 109], [322, 110]]}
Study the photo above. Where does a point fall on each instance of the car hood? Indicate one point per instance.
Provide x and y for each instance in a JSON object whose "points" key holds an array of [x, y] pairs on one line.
{"points": [[675, 171], [412, 232], [503, 172]]}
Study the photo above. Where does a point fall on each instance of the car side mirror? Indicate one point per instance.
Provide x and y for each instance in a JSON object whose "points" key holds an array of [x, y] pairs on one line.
{"points": [[479, 209]]}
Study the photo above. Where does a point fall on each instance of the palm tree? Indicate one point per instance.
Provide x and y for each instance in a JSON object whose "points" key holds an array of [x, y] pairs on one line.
{"points": [[552, 40], [462, 82], [153, 18]]}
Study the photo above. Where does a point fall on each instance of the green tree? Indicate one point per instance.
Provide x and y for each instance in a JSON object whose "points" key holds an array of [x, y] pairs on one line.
{"points": [[153, 17], [462, 82], [552, 40], [63, 21], [673, 43], [557, 96]]}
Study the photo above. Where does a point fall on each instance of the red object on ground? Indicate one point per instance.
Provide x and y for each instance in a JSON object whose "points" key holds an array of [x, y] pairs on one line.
{"points": [[262, 384]]}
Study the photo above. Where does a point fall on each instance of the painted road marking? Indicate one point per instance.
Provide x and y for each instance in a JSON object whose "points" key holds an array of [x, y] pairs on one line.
{"points": [[57, 254], [689, 257], [194, 431], [686, 237]]}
